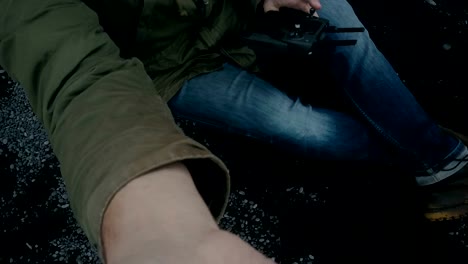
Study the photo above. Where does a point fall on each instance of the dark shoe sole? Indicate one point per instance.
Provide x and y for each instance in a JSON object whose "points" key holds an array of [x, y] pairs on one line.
{"points": [[448, 214], [458, 211]]}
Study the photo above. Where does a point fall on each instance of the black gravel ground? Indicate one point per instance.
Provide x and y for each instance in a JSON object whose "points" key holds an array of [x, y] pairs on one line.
{"points": [[280, 204]]}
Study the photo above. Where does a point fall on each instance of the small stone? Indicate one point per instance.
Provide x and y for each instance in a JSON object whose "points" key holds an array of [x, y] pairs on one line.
{"points": [[4, 141], [12, 166], [447, 46], [241, 193]]}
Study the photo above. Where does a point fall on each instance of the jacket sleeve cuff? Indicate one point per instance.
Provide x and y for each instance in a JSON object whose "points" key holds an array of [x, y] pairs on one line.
{"points": [[209, 173]]}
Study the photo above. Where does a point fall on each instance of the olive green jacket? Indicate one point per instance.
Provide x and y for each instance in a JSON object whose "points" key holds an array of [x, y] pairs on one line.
{"points": [[176, 45], [106, 118], [175, 39]]}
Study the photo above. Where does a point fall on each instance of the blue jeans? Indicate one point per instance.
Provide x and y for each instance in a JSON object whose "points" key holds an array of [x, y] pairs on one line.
{"points": [[387, 114]]}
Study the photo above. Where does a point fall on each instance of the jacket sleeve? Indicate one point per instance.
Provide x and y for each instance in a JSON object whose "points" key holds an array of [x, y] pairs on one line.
{"points": [[106, 123]]}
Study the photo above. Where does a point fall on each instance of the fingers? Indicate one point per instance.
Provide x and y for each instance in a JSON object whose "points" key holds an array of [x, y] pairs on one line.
{"points": [[305, 7], [269, 6], [315, 4]]}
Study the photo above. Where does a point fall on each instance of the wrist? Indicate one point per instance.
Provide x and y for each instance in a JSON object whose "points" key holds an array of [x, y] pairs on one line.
{"points": [[270, 5], [212, 248], [223, 247]]}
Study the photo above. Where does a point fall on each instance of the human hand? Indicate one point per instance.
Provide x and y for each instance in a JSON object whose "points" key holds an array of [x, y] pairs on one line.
{"points": [[303, 5]]}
